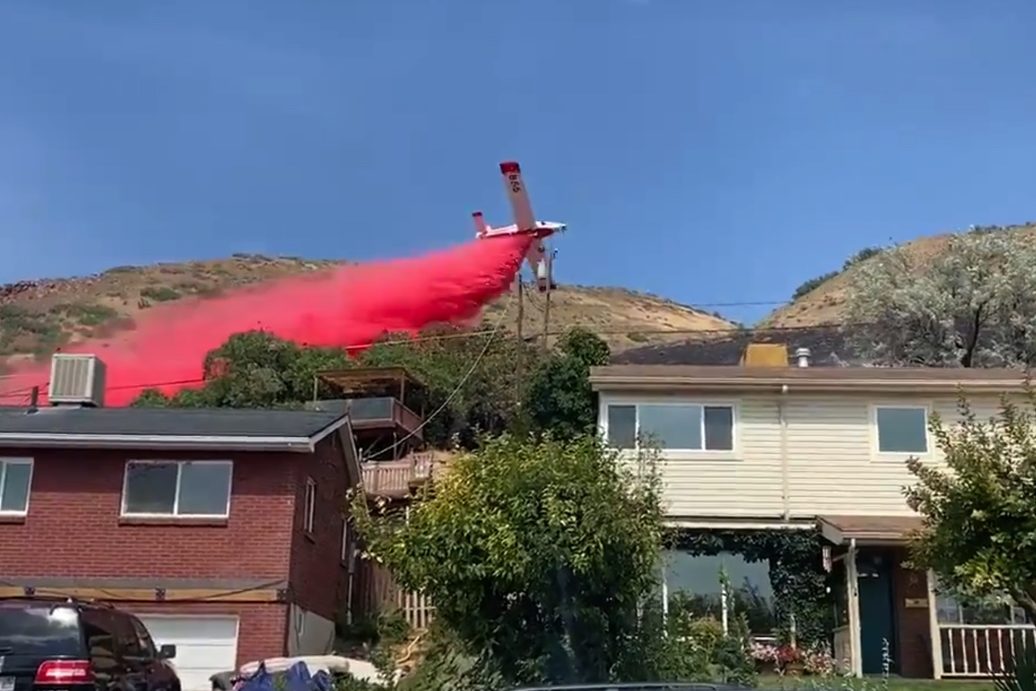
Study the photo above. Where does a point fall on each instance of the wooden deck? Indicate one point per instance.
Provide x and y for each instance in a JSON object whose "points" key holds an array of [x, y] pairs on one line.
{"points": [[398, 478]]}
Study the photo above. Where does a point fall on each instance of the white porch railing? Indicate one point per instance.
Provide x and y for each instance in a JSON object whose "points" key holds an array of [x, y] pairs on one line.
{"points": [[981, 650]]}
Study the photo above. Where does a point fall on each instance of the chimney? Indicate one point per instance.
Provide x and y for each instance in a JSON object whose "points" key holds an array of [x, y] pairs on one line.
{"points": [[802, 356], [76, 380]]}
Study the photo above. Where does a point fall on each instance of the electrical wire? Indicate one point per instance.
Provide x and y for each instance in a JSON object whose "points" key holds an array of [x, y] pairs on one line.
{"points": [[463, 380], [24, 390]]}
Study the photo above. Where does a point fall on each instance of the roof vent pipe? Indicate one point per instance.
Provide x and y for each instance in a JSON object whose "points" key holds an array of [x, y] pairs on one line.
{"points": [[802, 356]]}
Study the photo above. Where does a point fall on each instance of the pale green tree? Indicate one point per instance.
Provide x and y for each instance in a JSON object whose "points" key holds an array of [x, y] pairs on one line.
{"points": [[971, 305]]}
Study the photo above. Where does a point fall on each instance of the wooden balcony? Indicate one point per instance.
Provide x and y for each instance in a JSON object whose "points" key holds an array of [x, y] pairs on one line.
{"points": [[398, 478], [383, 412]]}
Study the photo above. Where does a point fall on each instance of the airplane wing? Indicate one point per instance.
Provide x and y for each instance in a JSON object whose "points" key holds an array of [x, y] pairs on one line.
{"points": [[518, 196]]}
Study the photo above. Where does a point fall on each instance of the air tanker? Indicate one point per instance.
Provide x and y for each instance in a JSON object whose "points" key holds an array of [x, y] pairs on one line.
{"points": [[539, 259]]}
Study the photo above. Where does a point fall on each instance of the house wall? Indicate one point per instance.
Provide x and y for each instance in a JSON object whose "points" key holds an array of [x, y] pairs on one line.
{"points": [[913, 634], [73, 527], [262, 627], [831, 464], [318, 576]]}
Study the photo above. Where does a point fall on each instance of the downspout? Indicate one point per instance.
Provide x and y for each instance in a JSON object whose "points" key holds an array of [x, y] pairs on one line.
{"points": [[783, 420]]}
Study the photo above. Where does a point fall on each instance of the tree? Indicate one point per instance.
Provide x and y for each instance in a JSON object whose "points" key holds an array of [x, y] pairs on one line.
{"points": [[479, 379], [254, 369], [979, 513], [537, 554], [259, 370], [971, 305], [559, 397]]}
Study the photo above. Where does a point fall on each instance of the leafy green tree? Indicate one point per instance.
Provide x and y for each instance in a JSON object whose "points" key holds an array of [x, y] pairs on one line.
{"points": [[979, 512], [254, 370], [971, 305], [483, 400], [259, 370], [537, 553], [559, 397]]}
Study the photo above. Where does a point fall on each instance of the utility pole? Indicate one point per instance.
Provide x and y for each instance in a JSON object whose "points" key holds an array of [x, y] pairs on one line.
{"points": [[546, 321], [549, 259], [520, 355]]}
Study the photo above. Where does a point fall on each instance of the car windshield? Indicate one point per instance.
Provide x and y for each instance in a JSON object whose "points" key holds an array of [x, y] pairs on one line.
{"points": [[46, 630]]}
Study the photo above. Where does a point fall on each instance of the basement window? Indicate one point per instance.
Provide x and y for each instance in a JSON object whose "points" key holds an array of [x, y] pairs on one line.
{"points": [[190, 489], [15, 480], [671, 426]]}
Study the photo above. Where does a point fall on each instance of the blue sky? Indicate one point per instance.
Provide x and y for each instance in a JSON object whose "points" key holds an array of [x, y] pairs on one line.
{"points": [[708, 151]]}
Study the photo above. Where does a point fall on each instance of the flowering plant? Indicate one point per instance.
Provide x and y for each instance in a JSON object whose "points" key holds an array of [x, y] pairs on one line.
{"points": [[763, 652], [788, 655], [819, 662]]}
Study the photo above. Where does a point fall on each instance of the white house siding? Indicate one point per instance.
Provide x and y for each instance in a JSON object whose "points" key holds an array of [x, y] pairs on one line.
{"points": [[832, 463], [745, 482]]}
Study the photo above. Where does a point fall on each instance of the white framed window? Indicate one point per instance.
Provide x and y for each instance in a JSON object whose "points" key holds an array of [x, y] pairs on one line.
{"points": [[671, 426], [185, 489], [15, 483], [310, 505], [901, 429]]}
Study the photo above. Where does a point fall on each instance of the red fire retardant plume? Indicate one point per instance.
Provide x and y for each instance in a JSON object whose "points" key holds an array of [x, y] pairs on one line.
{"points": [[348, 306]]}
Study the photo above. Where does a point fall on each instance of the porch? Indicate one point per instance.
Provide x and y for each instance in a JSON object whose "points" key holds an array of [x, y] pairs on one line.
{"points": [[891, 618]]}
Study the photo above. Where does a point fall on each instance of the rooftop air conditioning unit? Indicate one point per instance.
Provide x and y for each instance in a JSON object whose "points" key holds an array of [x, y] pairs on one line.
{"points": [[76, 380]]}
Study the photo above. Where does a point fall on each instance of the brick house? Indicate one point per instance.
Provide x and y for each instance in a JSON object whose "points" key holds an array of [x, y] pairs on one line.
{"points": [[224, 529]]}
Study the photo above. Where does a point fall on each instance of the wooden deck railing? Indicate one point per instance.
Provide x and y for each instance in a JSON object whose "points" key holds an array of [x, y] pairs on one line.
{"points": [[396, 478], [383, 411], [982, 650]]}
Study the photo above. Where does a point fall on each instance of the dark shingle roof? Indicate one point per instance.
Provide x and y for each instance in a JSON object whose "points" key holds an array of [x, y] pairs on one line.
{"points": [[242, 427], [827, 345]]}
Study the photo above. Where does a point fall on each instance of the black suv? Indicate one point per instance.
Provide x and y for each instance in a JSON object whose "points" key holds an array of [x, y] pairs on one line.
{"points": [[49, 642]]}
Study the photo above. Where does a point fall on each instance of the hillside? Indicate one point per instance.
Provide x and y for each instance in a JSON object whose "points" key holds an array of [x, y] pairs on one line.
{"points": [[825, 304], [38, 316]]}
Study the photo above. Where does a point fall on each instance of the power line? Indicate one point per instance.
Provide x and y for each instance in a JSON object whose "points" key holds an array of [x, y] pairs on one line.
{"points": [[456, 390], [21, 391]]}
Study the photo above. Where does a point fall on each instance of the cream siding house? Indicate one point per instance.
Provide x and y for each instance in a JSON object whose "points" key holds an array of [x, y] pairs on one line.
{"points": [[818, 448]]}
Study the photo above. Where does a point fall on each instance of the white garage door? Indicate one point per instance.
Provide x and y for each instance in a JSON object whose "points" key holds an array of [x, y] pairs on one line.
{"points": [[205, 645]]}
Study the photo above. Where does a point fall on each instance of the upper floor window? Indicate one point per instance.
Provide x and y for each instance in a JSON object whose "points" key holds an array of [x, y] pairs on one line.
{"points": [[15, 479], [177, 488], [309, 520], [902, 429], [672, 426]]}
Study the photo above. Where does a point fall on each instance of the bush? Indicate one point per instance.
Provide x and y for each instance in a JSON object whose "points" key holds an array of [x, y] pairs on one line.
{"points": [[159, 293], [812, 284]]}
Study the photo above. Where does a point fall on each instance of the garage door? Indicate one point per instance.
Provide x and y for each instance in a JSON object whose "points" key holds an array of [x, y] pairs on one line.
{"points": [[204, 645]]}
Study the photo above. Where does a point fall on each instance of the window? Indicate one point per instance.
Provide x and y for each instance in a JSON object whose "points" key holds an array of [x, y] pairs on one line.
{"points": [[680, 426], [15, 479], [345, 538], [969, 612], [177, 488], [311, 505], [902, 430], [695, 585]]}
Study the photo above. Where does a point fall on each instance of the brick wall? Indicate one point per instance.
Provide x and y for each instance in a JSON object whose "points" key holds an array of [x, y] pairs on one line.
{"points": [[262, 627], [914, 638], [318, 580], [73, 527]]}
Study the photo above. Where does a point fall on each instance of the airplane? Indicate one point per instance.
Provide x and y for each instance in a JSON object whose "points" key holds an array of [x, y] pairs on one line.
{"points": [[526, 224]]}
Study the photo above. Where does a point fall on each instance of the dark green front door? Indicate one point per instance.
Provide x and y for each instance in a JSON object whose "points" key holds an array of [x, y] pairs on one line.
{"points": [[875, 584]]}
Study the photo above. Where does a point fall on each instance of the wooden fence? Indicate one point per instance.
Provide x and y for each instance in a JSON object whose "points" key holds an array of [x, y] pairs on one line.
{"points": [[377, 590]]}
